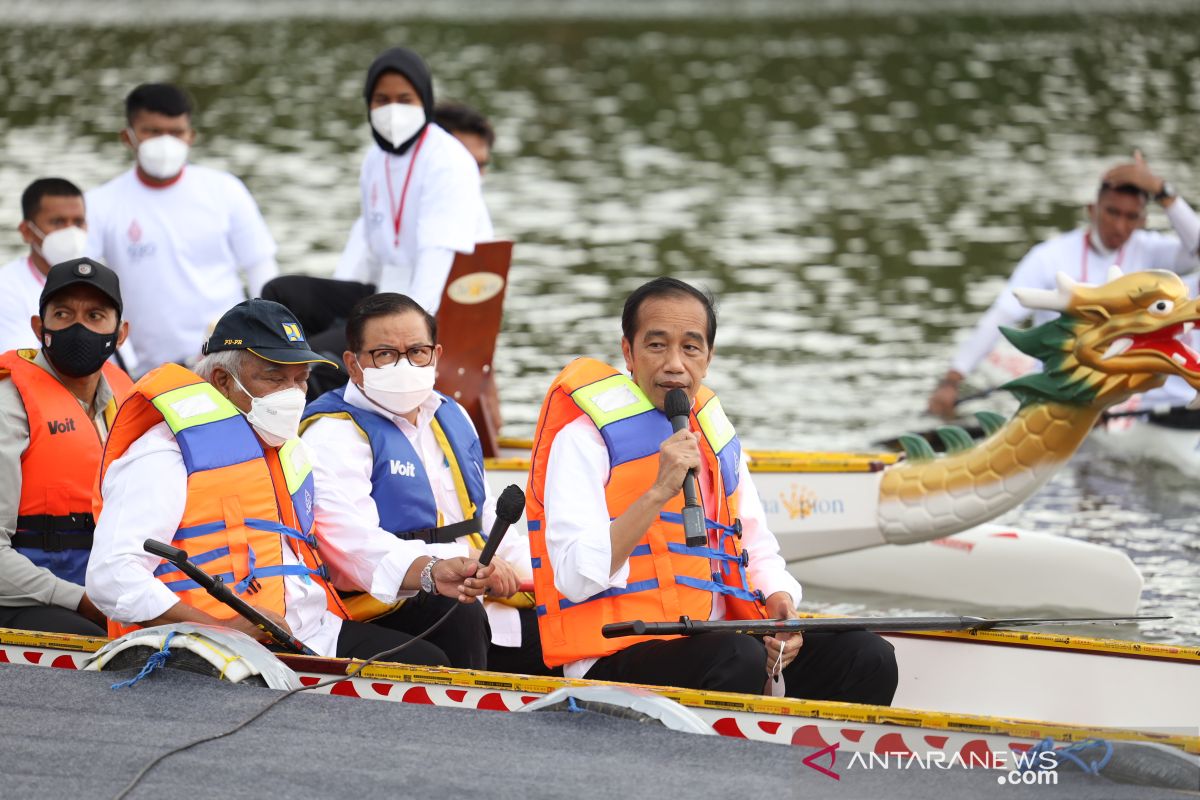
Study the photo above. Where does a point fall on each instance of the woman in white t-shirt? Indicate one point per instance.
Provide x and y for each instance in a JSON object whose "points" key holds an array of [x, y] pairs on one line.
{"points": [[421, 203]]}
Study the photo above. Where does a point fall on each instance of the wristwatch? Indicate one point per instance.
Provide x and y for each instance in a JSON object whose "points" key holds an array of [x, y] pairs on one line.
{"points": [[428, 585], [1167, 191]]}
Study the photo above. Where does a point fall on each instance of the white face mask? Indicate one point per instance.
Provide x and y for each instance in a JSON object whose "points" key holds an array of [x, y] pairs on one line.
{"points": [[64, 244], [276, 416], [161, 157], [397, 122], [399, 388]]}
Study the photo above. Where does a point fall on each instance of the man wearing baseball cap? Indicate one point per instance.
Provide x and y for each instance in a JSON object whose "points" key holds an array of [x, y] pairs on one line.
{"points": [[209, 462], [57, 405]]}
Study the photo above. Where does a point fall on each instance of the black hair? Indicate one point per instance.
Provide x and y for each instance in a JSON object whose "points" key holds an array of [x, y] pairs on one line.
{"points": [[666, 287], [382, 305], [31, 198], [160, 98], [1123, 188], [461, 118]]}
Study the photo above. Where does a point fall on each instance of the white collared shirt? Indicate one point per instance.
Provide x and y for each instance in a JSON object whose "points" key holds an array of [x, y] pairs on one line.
{"points": [[363, 555], [145, 491], [578, 538]]}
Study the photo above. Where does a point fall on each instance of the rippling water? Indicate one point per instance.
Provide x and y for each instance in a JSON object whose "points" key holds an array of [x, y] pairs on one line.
{"points": [[854, 185]]}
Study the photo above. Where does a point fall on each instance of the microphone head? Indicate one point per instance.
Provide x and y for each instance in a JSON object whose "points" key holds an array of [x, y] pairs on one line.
{"points": [[677, 403], [510, 504]]}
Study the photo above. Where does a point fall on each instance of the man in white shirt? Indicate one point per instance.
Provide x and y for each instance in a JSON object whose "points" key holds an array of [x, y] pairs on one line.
{"points": [[210, 462], [1115, 236], [604, 508], [401, 477], [54, 226], [188, 241], [422, 202]]}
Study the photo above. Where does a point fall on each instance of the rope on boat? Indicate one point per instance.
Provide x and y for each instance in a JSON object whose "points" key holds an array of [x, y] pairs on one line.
{"points": [[1071, 754], [155, 661]]}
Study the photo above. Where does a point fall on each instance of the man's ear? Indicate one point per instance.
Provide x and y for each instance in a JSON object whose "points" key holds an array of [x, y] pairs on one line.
{"points": [[627, 351], [353, 368], [27, 234], [122, 332], [35, 324], [126, 139]]}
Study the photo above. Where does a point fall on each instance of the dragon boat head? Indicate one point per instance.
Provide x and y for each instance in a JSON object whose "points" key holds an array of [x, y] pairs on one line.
{"points": [[1110, 341]]}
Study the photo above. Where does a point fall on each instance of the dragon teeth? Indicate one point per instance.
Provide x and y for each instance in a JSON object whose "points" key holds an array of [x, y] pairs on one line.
{"points": [[1117, 348], [1179, 359]]}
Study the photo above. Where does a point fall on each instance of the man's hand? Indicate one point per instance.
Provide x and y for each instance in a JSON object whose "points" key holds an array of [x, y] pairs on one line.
{"points": [[240, 623], [462, 578], [1135, 173], [945, 396], [89, 611], [676, 455], [505, 582], [780, 606]]}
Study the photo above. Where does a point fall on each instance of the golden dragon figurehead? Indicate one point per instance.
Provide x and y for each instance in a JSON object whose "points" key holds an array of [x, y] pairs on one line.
{"points": [[1111, 341]]}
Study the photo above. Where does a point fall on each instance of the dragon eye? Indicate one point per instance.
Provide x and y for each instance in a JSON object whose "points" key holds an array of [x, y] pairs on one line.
{"points": [[1161, 308]]}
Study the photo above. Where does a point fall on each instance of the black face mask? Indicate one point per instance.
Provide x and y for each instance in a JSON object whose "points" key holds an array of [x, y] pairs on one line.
{"points": [[76, 351]]}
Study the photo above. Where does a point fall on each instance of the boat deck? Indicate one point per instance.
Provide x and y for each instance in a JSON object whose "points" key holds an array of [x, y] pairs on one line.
{"points": [[69, 735]]}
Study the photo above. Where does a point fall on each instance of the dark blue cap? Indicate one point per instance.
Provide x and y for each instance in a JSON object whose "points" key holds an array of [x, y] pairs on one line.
{"points": [[267, 329]]}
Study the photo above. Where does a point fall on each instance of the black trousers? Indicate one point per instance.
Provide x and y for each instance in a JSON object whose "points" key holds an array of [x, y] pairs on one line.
{"points": [[526, 659], [321, 305], [49, 619], [853, 667], [464, 637], [365, 639]]}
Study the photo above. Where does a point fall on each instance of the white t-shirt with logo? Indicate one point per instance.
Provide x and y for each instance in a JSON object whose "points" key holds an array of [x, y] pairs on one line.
{"points": [[182, 253], [20, 288], [443, 209]]}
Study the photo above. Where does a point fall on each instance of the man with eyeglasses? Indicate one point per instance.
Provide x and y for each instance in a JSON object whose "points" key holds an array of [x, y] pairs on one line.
{"points": [[402, 460], [1115, 235]]}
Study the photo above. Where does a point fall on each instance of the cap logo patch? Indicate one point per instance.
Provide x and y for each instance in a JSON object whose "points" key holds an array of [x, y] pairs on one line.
{"points": [[83, 270], [292, 331]]}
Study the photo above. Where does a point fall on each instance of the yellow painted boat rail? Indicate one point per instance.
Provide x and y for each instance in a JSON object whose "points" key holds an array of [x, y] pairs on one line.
{"points": [[760, 460]]}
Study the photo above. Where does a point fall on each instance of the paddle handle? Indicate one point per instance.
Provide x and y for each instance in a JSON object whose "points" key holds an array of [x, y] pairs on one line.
{"points": [[217, 588]]}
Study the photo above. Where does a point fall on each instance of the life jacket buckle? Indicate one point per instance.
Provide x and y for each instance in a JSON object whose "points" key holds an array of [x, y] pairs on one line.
{"points": [[745, 558], [737, 527]]}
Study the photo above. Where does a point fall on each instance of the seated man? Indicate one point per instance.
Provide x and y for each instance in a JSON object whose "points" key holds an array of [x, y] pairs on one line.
{"points": [[209, 462], [54, 227], [401, 477], [608, 545], [56, 407]]}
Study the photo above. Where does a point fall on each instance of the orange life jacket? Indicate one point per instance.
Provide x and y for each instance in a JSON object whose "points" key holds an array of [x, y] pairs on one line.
{"points": [[243, 500], [58, 468], [667, 579]]}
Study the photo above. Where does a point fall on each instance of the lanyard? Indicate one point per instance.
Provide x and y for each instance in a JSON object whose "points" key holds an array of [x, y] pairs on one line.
{"points": [[1087, 245], [397, 213]]}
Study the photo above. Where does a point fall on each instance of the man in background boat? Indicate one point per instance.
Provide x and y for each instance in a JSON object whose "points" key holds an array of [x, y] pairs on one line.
{"points": [[210, 462], [608, 543], [57, 405], [401, 476], [1115, 235], [189, 241], [54, 226], [422, 203]]}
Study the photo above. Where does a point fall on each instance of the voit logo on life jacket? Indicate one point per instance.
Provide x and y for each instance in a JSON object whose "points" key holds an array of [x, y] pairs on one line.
{"points": [[404, 468], [802, 502], [65, 426]]}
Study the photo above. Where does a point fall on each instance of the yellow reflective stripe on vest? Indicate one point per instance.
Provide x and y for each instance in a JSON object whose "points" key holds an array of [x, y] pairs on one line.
{"points": [[460, 485], [611, 400], [189, 406], [715, 425], [295, 463]]}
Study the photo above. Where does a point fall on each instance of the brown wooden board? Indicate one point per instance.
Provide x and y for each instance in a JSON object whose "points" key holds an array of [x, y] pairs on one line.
{"points": [[468, 324]]}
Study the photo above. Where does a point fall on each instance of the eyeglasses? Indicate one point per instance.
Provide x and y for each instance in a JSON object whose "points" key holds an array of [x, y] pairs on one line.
{"points": [[419, 356]]}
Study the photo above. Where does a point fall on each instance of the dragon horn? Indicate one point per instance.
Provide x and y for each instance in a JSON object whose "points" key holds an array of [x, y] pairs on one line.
{"points": [[1115, 272], [1057, 300]]}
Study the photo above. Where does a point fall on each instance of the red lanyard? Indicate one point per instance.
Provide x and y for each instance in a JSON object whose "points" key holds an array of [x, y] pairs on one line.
{"points": [[397, 213], [1087, 245]]}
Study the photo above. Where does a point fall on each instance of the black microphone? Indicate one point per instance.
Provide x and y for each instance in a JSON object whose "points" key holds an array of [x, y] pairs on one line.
{"points": [[678, 408], [217, 588], [509, 507]]}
